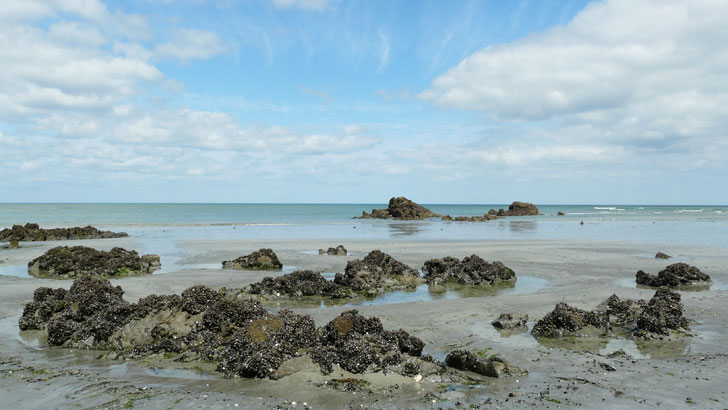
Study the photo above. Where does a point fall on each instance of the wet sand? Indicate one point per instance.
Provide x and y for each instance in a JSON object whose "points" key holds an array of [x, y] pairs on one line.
{"points": [[561, 374]]}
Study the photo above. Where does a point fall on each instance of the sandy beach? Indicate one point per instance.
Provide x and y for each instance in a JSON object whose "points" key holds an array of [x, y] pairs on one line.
{"points": [[581, 273]]}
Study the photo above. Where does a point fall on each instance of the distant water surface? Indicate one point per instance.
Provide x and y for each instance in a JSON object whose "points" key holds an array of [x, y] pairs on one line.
{"points": [[696, 225]]}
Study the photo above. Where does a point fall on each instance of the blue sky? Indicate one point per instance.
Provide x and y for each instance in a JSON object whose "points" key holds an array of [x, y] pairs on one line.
{"points": [[356, 101]]}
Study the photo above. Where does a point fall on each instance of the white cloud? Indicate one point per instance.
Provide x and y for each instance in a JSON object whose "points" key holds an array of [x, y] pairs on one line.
{"points": [[384, 56], [301, 4], [188, 44]]}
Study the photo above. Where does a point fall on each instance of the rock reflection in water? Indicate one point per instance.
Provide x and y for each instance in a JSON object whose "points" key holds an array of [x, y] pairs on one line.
{"points": [[522, 226], [405, 229]]}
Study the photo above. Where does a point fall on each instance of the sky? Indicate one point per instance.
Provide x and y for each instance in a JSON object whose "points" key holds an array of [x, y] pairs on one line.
{"points": [[334, 101]]}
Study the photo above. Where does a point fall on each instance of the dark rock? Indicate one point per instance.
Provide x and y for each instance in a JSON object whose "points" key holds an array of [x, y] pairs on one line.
{"points": [[14, 244], [338, 251], [400, 208], [473, 270], [446, 218], [565, 320], [65, 262], [622, 313], [560, 213], [31, 232], [492, 366], [511, 320], [492, 212], [522, 209], [663, 314], [675, 275], [376, 273], [238, 334], [296, 284], [358, 344], [660, 255], [502, 212], [262, 259]]}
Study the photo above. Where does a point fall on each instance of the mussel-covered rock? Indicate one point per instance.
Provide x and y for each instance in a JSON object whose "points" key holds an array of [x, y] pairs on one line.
{"points": [[359, 344], [31, 232], [338, 251], [662, 315], [511, 320], [675, 275], [661, 255], [376, 273], [659, 318], [237, 334], [298, 283], [492, 366], [262, 259], [566, 320], [472, 270], [65, 262], [400, 208]]}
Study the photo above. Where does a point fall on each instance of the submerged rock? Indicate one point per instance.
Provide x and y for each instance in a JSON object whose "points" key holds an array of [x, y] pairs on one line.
{"points": [[472, 270], [262, 259], [376, 273], [560, 213], [660, 255], [338, 251], [202, 324], [31, 232], [492, 366], [400, 208], [675, 275], [510, 320], [298, 283], [565, 320], [65, 262]]}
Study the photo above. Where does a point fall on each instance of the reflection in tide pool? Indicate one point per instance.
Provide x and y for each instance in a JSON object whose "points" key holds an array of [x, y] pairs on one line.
{"points": [[638, 349], [713, 286]]}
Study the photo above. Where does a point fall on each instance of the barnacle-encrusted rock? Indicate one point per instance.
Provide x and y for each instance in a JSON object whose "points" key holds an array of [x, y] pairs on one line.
{"points": [[400, 208], [660, 255], [492, 366], [376, 273], [472, 270], [31, 232], [298, 283], [338, 251], [675, 275], [262, 259], [661, 317], [565, 320], [237, 334], [65, 262]]}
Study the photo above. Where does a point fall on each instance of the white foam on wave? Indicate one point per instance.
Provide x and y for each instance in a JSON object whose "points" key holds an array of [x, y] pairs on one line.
{"points": [[608, 208], [690, 210]]}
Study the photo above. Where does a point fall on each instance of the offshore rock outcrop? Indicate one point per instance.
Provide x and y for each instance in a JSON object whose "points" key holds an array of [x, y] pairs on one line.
{"points": [[492, 366], [661, 255], [475, 218], [660, 318], [202, 324], [64, 262], [517, 209], [262, 259], [338, 251], [675, 275], [376, 273], [297, 284], [400, 208], [472, 270], [31, 232]]}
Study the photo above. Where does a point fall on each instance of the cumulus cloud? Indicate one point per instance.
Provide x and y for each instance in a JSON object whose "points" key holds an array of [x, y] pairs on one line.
{"points": [[188, 44], [623, 81]]}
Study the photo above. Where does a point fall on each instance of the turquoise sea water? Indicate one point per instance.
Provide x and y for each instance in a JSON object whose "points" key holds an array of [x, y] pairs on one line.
{"points": [[696, 225]]}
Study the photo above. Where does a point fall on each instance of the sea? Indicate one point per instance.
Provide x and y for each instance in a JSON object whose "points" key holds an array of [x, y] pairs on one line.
{"points": [[673, 224]]}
